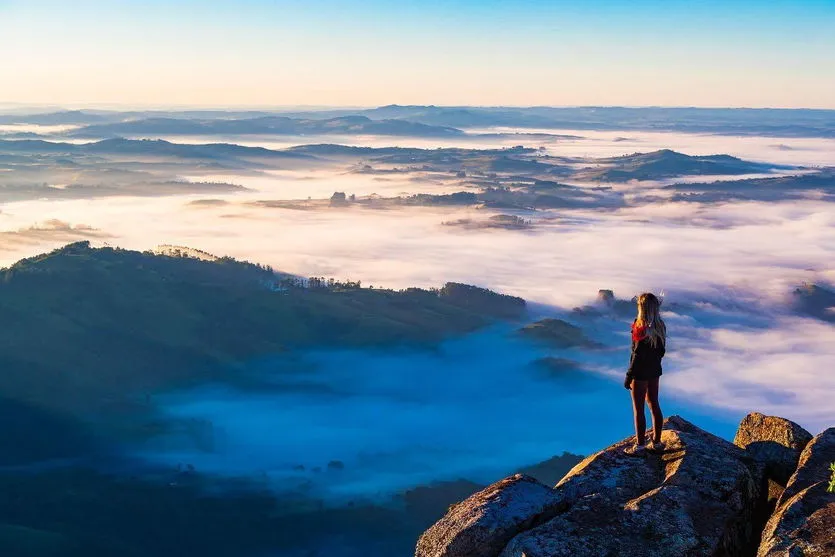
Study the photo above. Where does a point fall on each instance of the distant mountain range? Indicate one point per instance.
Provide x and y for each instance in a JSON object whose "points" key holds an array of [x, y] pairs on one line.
{"points": [[719, 120], [434, 121], [516, 160], [66, 117], [731, 121], [514, 177], [265, 125]]}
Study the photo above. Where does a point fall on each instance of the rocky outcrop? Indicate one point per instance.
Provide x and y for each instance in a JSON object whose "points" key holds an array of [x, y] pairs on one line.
{"points": [[606, 302], [816, 301], [484, 523], [774, 445], [813, 466], [427, 502], [803, 524], [773, 442], [803, 527], [701, 496], [606, 297], [696, 498]]}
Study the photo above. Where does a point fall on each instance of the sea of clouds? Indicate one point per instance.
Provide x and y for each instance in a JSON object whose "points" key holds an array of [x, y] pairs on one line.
{"points": [[480, 406]]}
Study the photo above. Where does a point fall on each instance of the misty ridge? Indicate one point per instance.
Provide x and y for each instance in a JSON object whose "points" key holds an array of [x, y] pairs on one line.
{"points": [[512, 177], [438, 120]]}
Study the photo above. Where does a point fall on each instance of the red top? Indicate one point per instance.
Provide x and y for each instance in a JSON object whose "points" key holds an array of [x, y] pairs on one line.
{"points": [[638, 333]]}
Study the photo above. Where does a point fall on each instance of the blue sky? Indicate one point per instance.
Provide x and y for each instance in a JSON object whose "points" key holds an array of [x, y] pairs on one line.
{"points": [[331, 52]]}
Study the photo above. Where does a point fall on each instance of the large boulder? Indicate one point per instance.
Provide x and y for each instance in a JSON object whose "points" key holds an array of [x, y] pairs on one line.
{"points": [[803, 524], [813, 466], [697, 498], [775, 443], [483, 524]]}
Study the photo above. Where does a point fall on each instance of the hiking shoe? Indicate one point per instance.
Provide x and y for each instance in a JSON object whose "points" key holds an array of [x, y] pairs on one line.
{"points": [[635, 450], [657, 447]]}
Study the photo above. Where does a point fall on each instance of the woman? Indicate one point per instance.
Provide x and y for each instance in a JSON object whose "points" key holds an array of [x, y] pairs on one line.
{"points": [[649, 338]]}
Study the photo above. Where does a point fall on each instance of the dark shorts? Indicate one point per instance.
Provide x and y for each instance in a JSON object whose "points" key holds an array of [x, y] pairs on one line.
{"points": [[646, 376]]}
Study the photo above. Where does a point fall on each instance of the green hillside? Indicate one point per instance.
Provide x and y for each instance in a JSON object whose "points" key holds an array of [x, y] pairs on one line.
{"points": [[91, 331]]}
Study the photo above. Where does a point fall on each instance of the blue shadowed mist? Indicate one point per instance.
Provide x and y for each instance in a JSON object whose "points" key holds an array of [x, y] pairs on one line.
{"points": [[477, 408]]}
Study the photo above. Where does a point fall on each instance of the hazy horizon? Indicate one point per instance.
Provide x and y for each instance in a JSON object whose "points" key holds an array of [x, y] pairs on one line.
{"points": [[126, 107]]}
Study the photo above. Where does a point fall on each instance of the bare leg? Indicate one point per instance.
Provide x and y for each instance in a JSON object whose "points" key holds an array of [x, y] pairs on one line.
{"points": [[639, 393], [655, 408]]}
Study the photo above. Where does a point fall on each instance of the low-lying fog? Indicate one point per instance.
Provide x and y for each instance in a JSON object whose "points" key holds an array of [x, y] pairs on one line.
{"points": [[354, 425], [478, 406], [34, 129], [321, 184]]}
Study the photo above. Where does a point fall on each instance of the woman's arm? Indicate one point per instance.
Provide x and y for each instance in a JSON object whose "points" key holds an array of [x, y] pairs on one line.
{"points": [[629, 371]]}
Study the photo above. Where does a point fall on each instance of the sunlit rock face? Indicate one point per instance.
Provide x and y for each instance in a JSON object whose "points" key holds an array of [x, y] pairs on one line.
{"points": [[775, 443], [697, 497], [486, 521]]}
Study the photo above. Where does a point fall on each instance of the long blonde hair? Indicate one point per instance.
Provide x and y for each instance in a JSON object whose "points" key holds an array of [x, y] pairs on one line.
{"points": [[649, 318]]}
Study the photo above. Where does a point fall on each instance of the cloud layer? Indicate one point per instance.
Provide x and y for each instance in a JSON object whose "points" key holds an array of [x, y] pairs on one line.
{"points": [[739, 261]]}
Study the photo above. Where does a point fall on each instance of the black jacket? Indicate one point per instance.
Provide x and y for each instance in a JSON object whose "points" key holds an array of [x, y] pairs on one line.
{"points": [[645, 362]]}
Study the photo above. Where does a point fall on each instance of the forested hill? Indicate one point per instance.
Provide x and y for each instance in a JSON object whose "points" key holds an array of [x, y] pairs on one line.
{"points": [[91, 336], [87, 327]]}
